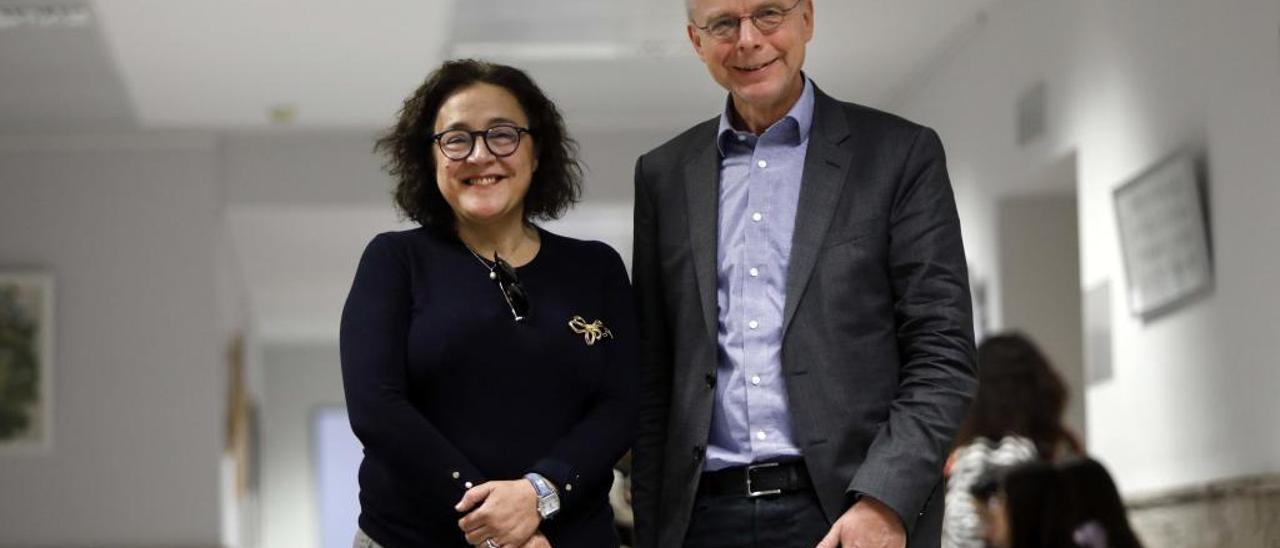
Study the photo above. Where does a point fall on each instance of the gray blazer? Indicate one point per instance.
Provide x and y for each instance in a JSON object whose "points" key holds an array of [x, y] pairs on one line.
{"points": [[877, 350]]}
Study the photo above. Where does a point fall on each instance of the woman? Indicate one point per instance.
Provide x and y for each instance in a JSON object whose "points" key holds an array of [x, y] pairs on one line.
{"points": [[1015, 417], [1019, 393], [489, 365]]}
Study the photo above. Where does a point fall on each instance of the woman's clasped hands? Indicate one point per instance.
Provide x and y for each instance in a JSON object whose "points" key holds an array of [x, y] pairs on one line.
{"points": [[502, 514]]}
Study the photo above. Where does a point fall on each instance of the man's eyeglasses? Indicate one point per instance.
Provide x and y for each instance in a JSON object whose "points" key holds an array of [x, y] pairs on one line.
{"points": [[512, 291], [767, 19], [457, 144]]}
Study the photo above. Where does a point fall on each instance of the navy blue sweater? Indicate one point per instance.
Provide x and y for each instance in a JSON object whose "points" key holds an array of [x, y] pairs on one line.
{"points": [[445, 390]]}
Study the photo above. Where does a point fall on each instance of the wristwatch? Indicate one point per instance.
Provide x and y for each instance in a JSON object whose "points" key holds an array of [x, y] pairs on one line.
{"points": [[548, 499]]}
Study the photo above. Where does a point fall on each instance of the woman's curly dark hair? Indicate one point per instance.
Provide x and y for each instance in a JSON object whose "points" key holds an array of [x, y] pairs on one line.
{"points": [[1019, 393], [556, 184]]}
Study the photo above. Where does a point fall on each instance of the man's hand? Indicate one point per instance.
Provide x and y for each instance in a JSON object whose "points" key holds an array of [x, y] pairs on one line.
{"points": [[867, 524], [507, 513]]}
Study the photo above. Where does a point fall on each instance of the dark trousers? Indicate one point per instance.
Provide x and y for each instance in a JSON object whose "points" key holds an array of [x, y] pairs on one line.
{"points": [[734, 521]]}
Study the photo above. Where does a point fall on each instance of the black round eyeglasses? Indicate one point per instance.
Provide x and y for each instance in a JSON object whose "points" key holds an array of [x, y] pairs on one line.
{"points": [[457, 144]]}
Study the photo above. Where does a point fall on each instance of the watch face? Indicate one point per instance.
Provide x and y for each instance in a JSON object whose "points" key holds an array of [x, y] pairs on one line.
{"points": [[547, 507]]}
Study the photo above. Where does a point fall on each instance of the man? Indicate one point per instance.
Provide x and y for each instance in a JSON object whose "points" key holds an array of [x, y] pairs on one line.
{"points": [[807, 350]]}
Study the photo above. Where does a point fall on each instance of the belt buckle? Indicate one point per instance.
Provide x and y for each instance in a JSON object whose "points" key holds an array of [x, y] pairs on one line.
{"points": [[751, 491]]}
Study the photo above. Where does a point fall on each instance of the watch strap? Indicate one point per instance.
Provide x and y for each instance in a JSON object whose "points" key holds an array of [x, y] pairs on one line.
{"points": [[548, 499]]}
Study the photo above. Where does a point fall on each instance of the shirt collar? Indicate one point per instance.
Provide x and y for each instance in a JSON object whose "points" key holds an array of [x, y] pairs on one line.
{"points": [[800, 116]]}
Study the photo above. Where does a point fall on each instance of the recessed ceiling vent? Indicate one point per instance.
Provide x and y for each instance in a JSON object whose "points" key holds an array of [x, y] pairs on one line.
{"points": [[67, 15]]}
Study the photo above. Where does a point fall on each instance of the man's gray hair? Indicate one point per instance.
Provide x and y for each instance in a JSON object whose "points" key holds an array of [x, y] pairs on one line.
{"points": [[688, 9]]}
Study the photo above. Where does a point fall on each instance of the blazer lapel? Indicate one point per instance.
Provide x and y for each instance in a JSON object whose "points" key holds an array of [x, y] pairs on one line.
{"points": [[702, 193], [826, 165]]}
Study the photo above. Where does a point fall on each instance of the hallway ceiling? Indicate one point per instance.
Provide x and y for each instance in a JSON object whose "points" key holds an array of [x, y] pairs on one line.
{"points": [[246, 64]]}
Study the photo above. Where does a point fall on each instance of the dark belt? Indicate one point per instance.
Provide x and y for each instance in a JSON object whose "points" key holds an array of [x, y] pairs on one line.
{"points": [[757, 480]]}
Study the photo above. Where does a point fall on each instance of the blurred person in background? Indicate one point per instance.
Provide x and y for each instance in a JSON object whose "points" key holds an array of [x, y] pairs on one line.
{"points": [[1015, 506], [807, 336], [1068, 504], [1093, 511], [1019, 393], [489, 365], [1016, 417]]}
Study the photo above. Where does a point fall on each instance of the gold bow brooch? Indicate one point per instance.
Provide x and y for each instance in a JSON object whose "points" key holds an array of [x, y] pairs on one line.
{"points": [[591, 332]]}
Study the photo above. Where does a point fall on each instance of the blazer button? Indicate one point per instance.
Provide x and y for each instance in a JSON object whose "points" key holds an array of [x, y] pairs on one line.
{"points": [[711, 380], [698, 450]]}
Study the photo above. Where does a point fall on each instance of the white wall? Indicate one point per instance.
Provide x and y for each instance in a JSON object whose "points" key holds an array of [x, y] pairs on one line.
{"points": [[299, 378], [1130, 82], [610, 160], [1040, 281], [129, 226], [299, 169], [978, 217]]}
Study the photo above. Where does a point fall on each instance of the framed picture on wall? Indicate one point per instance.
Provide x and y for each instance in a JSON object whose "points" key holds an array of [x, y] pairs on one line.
{"points": [[26, 362], [1164, 236]]}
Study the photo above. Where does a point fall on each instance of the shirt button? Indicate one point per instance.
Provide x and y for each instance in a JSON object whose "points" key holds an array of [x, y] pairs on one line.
{"points": [[568, 487], [753, 324], [467, 485], [456, 475], [762, 164], [755, 272], [757, 216], [755, 380], [760, 435]]}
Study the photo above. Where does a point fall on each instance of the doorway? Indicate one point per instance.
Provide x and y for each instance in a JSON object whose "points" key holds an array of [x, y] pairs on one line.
{"points": [[1039, 256]]}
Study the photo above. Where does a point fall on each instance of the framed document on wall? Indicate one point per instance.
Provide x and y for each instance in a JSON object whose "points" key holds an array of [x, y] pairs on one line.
{"points": [[1164, 236], [26, 362]]}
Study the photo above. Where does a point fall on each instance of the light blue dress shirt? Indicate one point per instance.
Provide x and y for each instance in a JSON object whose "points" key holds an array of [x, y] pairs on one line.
{"points": [[759, 189]]}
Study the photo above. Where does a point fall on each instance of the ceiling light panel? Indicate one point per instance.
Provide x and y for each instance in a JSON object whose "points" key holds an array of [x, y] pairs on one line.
{"points": [[63, 15], [566, 29]]}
